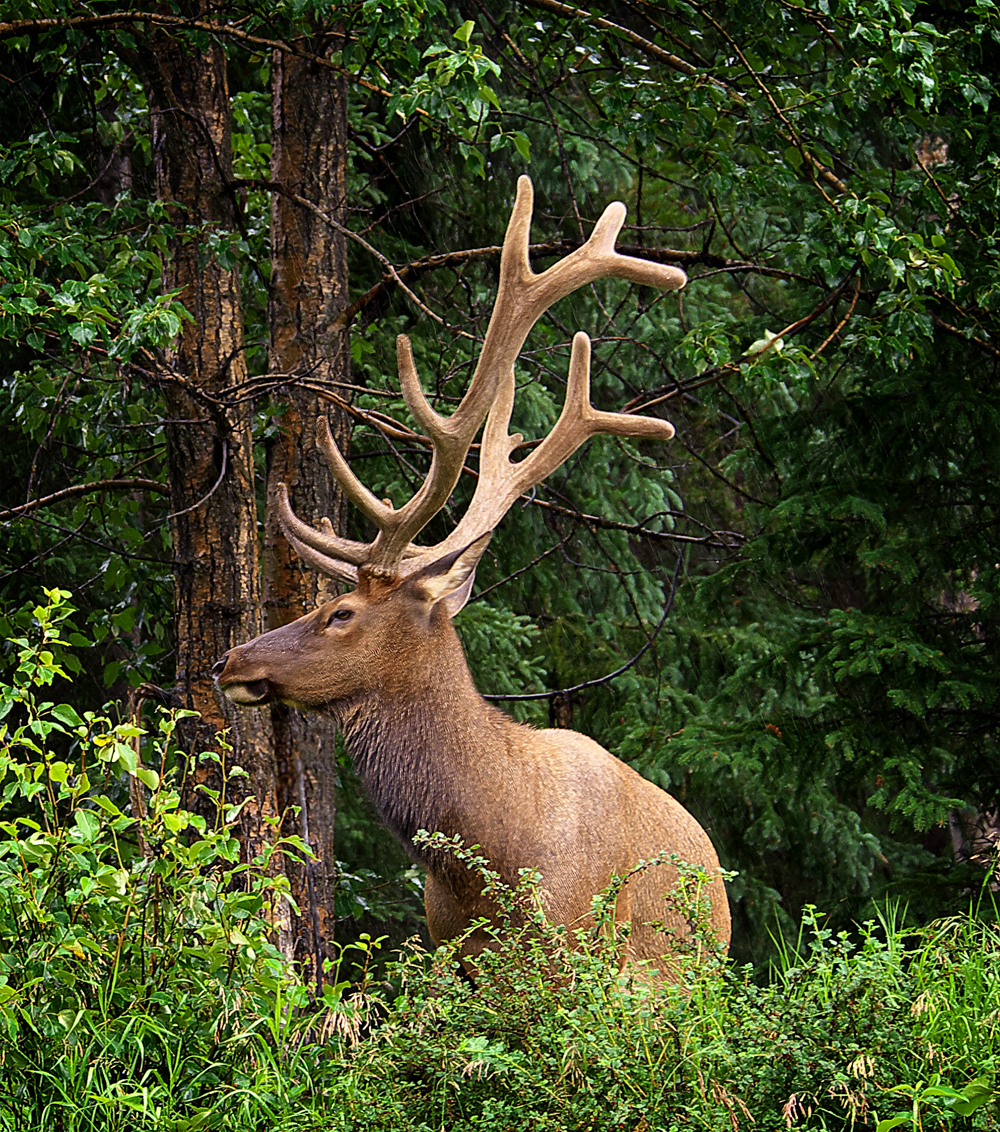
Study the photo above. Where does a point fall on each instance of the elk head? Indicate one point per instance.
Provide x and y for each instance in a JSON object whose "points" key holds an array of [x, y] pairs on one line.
{"points": [[368, 641]]}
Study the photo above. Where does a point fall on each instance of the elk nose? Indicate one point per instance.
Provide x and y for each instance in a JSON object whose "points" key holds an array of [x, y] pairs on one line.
{"points": [[219, 667]]}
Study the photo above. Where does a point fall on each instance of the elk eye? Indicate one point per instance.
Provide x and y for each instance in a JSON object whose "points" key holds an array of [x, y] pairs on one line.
{"points": [[340, 615]]}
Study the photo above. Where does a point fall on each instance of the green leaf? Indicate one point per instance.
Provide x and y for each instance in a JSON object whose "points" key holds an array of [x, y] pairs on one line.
{"points": [[126, 755], [66, 714], [88, 825], [106, 804], [148, 777], [894, 1122]]}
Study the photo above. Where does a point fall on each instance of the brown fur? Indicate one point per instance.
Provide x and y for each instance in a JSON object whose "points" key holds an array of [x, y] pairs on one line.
{"points": [[434, 755]]}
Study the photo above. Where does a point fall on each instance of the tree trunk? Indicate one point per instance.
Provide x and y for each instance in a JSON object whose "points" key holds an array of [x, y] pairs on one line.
{"points": [[209, 439], [308, 292]]}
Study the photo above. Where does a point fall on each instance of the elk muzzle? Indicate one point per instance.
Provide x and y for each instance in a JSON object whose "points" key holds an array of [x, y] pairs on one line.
{"points": [[249, 693]]}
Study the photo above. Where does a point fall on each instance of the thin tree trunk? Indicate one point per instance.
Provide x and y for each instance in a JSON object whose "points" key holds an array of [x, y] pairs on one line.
{"points": [[210, 454], [308, 292]]}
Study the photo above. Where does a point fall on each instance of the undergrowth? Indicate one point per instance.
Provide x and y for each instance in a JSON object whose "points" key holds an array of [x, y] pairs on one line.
{"points": [[140, 987]]}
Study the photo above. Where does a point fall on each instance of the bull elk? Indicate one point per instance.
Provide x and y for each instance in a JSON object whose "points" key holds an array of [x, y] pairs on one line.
{"points": [[385, 662]]}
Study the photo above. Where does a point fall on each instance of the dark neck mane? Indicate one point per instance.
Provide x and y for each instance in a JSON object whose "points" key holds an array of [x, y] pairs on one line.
{"points": [[414, 757]]}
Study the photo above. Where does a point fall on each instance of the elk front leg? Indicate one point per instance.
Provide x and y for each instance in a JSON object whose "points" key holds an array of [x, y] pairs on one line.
{"points": [[447, 919]]}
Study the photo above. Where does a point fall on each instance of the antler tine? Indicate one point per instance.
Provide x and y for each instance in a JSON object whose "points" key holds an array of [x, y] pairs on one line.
{"points": [[452, 436], [522, 298], [323, 550], [578, 422], [354, 489], [501, 482], [342, 571]]}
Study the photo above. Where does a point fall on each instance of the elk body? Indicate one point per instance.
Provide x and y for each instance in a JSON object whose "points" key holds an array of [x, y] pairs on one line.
{"points": [[385, 661]]}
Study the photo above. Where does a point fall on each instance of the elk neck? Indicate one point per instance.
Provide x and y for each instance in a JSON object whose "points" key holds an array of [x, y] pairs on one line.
{"points": [[429, 749]]}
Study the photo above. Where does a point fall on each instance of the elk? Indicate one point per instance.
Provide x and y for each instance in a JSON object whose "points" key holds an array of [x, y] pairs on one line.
{"points": [[385, 661]]}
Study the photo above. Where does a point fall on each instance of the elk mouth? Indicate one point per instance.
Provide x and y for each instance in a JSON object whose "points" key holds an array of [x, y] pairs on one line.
{"points": [[250, 694]]}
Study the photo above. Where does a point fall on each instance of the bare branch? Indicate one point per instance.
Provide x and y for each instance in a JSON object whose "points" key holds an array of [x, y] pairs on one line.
{"points": [[84, 489], [205, 498]]}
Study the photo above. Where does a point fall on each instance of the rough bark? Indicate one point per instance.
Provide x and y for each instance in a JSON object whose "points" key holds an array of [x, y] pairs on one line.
{"points": [[210, 454], [308, 292]]}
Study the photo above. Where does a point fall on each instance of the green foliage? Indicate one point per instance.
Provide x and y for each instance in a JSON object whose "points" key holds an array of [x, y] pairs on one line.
{"points": [[553, 1033], [82, 276], [136, 956], [500, 648]]}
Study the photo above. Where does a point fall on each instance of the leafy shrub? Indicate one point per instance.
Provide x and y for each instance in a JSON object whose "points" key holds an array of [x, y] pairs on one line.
{"points": [[884, 1030], [137, 968]]}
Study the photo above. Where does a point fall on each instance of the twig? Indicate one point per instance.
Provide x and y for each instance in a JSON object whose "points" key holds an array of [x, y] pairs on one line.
{"points": [[793, 135], [337, 226], [534, 562], [840, 325], [618, 671], [84, 489], [205, 498], [987, 347], [716, 373]]}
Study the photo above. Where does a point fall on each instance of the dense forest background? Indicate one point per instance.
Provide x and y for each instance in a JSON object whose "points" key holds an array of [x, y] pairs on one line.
{"points": [[215, 220]]}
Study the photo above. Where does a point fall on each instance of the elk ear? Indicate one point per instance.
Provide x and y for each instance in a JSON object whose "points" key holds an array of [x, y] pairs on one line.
{"points": [[449, 580]]}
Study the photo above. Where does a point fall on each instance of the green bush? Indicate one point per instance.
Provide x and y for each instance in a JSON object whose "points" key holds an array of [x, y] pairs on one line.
{"points": [[138, 976], [885, 1030]]}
